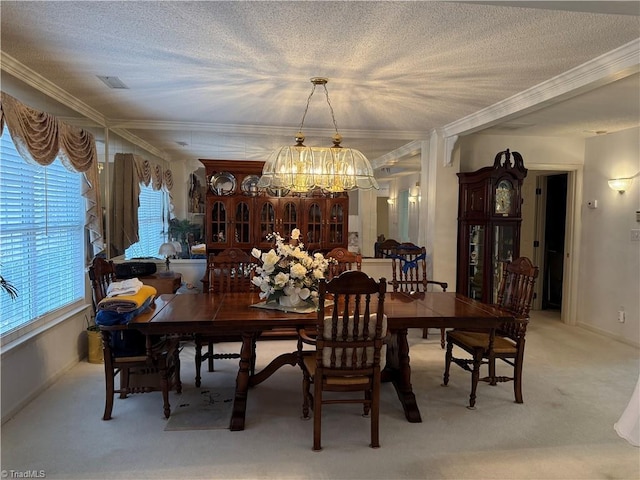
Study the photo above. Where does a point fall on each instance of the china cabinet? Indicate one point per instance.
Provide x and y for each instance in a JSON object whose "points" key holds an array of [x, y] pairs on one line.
{"points": [[489, 219], [238, 214]]}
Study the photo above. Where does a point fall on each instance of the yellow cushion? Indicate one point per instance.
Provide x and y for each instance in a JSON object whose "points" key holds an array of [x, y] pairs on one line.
{"points": [[310, 364], [501, 345]]}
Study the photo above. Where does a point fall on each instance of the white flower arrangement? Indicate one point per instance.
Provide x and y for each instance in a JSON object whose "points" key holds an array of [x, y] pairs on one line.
{"points": [[289, 271]]}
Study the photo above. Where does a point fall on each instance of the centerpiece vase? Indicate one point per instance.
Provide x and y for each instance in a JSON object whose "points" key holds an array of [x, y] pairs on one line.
{"points": [[288, 301]]}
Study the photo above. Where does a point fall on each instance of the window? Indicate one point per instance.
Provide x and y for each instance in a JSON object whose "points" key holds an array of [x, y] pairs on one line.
{"points": [[152, 223], [41, 238]]}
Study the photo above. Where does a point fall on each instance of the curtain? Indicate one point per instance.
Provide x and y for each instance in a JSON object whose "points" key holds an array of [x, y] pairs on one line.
{"points": [[129, 172], [40, 137]]}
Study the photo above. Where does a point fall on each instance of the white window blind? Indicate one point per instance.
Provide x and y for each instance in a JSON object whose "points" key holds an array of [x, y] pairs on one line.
{"points": [[41, 237], [152, 223]]}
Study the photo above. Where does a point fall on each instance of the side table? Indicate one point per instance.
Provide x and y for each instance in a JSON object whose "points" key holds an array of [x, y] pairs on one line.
{"points": [[163, 283]]}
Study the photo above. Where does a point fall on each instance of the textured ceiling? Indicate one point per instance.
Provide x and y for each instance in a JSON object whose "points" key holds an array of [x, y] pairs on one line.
{"points": [[231, 79]]}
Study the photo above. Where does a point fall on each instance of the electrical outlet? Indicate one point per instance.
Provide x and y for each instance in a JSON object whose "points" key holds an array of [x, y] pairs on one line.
{"points": [[621, 316], [593, 204], [635, 235]]}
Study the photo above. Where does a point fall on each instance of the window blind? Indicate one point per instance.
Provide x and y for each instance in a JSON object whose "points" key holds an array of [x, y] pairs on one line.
{"points": [[152, 224], [41, 237]]}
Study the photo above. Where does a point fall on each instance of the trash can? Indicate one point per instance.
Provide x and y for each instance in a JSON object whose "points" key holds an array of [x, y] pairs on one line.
{"points": [[94, 341]]}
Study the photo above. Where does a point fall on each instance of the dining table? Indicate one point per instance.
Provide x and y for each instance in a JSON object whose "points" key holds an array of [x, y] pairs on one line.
{"points": [[237, 314]]}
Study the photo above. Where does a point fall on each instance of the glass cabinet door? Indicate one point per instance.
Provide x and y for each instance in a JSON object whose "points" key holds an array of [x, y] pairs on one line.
{"points": [[242, 223], [503, 248], [336, 224], [267, 221], [313, 234], [476, 260], [218, 223], [289, 219]]}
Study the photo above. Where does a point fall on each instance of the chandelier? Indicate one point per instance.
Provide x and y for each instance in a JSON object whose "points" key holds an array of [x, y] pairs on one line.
{"points": [[334, 169]]}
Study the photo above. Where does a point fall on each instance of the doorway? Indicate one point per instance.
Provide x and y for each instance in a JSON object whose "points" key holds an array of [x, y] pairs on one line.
{"points": [[552, 195]]}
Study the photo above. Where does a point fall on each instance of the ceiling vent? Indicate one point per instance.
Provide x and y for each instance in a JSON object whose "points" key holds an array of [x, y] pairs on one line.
{"points": [[112, 82]]}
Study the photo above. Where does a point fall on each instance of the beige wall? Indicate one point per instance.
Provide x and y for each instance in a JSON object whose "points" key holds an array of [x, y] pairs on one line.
{"points": [[609, 275]]}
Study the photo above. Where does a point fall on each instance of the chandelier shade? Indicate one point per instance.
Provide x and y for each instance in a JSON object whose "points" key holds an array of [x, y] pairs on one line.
{"points": [[300, 169]]}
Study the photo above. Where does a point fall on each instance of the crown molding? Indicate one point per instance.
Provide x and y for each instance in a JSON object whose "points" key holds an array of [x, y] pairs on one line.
{"points": [[37, 81], [141, 143], [408, 150], [607, 68], [259, 130]]}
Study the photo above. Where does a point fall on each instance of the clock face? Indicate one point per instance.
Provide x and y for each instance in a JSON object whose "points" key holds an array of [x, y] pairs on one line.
{"points": [[504, 197]]}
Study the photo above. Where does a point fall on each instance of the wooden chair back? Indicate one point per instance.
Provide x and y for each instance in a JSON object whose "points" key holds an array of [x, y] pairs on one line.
{"points": [[409, 265], [386, 248], [409, 270], [349, 340], [343, 260], [515, 293], [229, 271], [101, 273]]}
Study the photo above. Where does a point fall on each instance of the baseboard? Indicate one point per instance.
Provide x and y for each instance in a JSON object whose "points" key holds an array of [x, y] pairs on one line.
{"points": [[6, 416], [607, 334]]}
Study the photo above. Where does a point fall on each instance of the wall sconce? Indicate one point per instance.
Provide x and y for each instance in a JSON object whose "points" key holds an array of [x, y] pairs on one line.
{"points": [[620, 184], [414, 194], [390, 201]]}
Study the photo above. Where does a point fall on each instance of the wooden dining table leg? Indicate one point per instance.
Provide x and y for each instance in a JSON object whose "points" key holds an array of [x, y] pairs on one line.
{"points": [[242, 383], [398, 371]]}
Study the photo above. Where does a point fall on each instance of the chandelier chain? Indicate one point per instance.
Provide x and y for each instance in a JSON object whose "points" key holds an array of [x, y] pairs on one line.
{"points": [[333, 117], [304, 115], [326, 92]]}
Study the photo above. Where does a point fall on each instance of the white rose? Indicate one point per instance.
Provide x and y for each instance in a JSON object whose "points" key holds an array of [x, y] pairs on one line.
{"points": [[298, 270], [281, 279], [295, 234], [269, 261]]}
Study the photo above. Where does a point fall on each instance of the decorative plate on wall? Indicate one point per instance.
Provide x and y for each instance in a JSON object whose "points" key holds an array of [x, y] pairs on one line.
{"points": [[249, 185], [223, 183]]}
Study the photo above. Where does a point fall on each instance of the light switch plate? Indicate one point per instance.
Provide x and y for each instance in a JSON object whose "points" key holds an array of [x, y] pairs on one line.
{"points": [[592, 204], [635, 235]]}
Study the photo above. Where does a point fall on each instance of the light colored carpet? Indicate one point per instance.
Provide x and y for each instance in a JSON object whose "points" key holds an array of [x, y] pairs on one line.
{"points": [[202, 409], [576, 386]]}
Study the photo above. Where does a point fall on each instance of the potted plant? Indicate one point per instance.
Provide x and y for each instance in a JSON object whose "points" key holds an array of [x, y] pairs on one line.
{"points": [[8, 287], [94, 343]]}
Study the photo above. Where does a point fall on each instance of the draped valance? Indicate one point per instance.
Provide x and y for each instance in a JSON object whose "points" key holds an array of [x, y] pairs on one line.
{"points": [[40, 138]]}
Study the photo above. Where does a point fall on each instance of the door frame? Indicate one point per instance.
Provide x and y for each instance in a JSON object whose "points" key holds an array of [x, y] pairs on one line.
{"points": [[571, 241]]}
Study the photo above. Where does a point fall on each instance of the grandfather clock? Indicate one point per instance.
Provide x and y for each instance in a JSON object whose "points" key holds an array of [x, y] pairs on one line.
{"points": [[489, 219]]}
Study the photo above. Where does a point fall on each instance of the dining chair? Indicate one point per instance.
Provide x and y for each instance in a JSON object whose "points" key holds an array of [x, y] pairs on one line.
{"points": [[144, 363], [342, 260], [350, 331], [506, 343], [228, 271], [409, 267]]}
